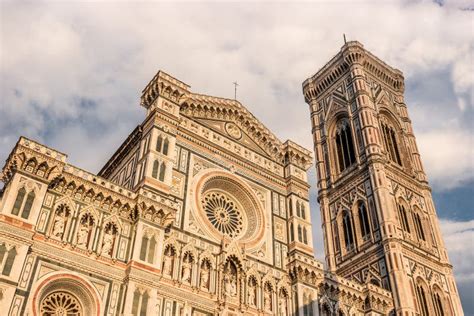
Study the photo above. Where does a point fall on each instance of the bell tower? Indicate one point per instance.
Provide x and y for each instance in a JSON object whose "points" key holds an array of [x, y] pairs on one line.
{"points": [[378, 218]]}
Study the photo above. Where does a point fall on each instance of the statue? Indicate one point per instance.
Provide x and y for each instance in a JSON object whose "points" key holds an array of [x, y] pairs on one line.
{"points": [[283, 310], [186, 277], [168, 264], [205, 277], [233, 286], [107, 244], [58, 226], [252, 295], [82, 235], [267, 301]]}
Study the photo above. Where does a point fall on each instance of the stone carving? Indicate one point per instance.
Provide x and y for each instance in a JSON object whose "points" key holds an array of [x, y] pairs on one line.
{"points": [[187, 269], [108, 241], [205, 273], [168, 261]]}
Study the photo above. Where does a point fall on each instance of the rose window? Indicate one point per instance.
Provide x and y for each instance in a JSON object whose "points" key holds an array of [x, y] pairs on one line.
{"points": [[223, 213], [60, 304]]}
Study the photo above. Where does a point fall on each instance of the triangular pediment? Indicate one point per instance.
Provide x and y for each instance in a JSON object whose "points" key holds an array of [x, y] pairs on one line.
{"points": [[231, 119], [231, 130]]}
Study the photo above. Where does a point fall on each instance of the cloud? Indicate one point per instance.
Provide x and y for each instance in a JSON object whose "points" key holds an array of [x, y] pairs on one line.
{"points": [[459, 241]]}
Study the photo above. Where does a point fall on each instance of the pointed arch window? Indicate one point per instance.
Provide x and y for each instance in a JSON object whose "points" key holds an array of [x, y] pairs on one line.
{"points": [[418, 226], [364, 221], [344, 145], [162, 172], [438, 305], [151, 250], [159, 143], [298, 209], [156, 166], [9, 260], [391, 145], [28, 204], [348, 232], [166, 145], [19, 201], [403, 218], [144, 248], [305, 235], [421, 295], [303, 211], [300, 234]]}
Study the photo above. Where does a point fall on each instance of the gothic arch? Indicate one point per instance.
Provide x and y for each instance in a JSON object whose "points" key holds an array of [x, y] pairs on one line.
{"points": [[342, 145]]}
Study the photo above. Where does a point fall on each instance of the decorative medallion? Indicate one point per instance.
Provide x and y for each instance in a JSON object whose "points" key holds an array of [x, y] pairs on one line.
{"points": [[223, 213], [61, 304], [233, 130]]}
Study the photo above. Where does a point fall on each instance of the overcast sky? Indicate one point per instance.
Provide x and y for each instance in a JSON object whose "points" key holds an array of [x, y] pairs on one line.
{"points": [[72, 73]]}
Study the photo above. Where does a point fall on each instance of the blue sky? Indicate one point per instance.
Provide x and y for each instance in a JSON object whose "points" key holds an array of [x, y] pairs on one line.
{"points": [[71, 76]]}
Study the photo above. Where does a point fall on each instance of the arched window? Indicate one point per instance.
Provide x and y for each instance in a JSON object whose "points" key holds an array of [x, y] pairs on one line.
{"points": [[162, 172], [292, 232], [290, 208], [159, 143], [7, 268], [305, 235], [438, 304], [151, 250], [303, 211], [348, 233], [307, 305], [418, 226], [154, 172], [300, 234], [403, 218], [166, 144], [298, 209], [364, 220], [28, 204], [421, 295], [144, 248], [344, 145], [19, 201], [391, 145]]}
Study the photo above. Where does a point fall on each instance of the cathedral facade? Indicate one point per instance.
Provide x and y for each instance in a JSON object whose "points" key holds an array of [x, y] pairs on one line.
{"points": [[203, 211]]}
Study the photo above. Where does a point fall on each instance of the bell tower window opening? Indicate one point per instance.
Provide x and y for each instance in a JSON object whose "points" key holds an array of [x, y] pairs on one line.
{"points": [[344, 145], [391, 145], [403, 218], [364, 221], [348, 232]]}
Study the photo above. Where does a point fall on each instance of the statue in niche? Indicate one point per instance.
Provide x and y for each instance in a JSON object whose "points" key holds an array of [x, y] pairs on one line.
{"points": [[84, 230], [82, 235], [109, 239], [59, 223], [205, 276], [168, 262], [187, 268], [230, 280], [58, 226], [283, 307], [252, 295], [267, 300]]}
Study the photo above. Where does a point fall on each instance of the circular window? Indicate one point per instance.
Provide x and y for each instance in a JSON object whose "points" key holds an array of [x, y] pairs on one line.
{"points": [[227, 206], [60, 304], [223, 212]]}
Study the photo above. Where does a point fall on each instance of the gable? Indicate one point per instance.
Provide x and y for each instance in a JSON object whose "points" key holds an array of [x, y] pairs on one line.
{"points": [[231, 119], [234, 132]]}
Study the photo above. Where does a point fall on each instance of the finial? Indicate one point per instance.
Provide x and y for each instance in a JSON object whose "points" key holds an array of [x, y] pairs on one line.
{"points": [[344, 35]]}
